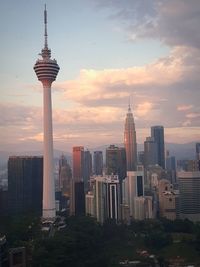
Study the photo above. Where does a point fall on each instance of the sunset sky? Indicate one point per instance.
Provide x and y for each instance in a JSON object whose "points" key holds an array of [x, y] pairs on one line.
{"points": [[108, 51]]}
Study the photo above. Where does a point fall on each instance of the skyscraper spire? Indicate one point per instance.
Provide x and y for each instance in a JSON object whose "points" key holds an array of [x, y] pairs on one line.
{"points": [[129, 104], [130, 141]]}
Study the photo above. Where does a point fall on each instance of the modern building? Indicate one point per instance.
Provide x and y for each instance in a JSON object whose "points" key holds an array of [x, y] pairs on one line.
{"points": [[171, 167], [168, 200], [87, 169], [25, 185], [197, 151], [77, 198], [143, 208], [188, 165], [157, 132], [98, 163], [189, 187], [141, 157], [116, 161], [3, 203], [150, 152], [46, 70], [198, 155], [65, 176], [132, 187], [78, 163], [107, 197], [130, 142], [90, 204]]}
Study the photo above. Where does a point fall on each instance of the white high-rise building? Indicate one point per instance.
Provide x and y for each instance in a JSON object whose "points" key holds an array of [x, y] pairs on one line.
{"points": [[132, 187], [89, 204], [143, 208], [106, 198], [46, 70]]}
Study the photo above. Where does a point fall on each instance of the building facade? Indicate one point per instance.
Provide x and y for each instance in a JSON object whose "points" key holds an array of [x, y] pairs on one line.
{"points": [[25, 185], [189, 187], [87, 169], [130, 143], [157, 132], [132, 187], [78, 163], [105, 196], [98, 163], [150, 152], [116, 161], [168, 200]]}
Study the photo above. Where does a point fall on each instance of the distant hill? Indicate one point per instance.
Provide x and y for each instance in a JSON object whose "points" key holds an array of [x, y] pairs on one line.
{"points": [[180, 151], [4, 155]]}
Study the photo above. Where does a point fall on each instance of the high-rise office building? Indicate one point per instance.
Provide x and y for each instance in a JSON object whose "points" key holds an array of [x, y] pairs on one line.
{"points": [[46, 70], [189, 188], [157, 132], [107, 197], [90, 204], [143, 208], [141, 158], [87, 169], [78, 163], [168, 200], [132, 187], [198, 155], [150, 152], [65, 176], [130, 142], [171, 167], [197, 151], [77, 194], [3, 202], [98, 163], [25, 184], [116, 161]]}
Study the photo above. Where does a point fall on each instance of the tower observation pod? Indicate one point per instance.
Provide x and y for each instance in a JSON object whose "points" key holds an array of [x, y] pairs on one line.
{"points": [[46, 70]]}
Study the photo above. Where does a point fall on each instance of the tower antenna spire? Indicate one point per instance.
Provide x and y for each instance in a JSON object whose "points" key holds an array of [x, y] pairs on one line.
{"points": [[129, 103], [45, 28]]}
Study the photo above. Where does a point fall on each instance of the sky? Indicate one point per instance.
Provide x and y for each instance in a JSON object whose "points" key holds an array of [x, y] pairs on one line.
{"points": [[110, 52]]}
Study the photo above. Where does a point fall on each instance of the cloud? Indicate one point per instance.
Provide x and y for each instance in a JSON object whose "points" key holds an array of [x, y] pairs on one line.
{"points": [[143, 109], [193, 115], [156, 91], [17, 115], [184, 107], [94, 87], [176, 23]]}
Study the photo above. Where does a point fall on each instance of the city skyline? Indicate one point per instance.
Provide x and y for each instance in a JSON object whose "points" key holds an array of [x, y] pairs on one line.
{"points": [[107, 52]]}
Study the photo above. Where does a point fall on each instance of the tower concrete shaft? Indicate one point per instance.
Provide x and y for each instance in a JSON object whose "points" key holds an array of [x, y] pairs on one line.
{"points": [[46, 70], [130, 142]]}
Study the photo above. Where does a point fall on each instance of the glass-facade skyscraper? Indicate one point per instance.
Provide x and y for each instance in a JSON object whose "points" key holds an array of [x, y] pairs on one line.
{"points": [[25, 185], [157, 132], [98, 163], [116, 161]]}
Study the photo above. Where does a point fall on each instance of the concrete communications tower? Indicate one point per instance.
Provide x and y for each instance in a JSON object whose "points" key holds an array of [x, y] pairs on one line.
{"points": [[46, 70]]}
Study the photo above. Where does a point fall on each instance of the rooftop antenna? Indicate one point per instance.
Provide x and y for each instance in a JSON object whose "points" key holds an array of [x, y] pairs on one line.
{"points": [[45, 27], [129, 103]]}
